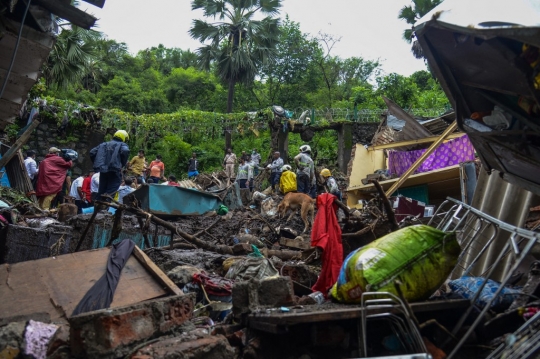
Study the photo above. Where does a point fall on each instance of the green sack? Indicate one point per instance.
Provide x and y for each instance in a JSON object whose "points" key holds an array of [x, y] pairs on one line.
{"points": [[420, 257]]}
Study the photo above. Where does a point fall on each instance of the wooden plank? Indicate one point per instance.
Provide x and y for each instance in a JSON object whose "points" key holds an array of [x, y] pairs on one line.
{"points": [[347, 312], [294, 243], [413, 142], [19, 143], [56, 285], [69, 13], [416, 179], [156, 272]]}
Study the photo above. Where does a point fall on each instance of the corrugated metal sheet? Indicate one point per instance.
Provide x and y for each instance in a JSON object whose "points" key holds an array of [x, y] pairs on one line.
{"points": [[189, 184], [506, 202]]}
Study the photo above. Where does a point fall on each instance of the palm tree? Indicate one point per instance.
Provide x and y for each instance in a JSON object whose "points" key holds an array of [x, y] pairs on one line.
{"points": [[236, 43], [71, 57], [411, 14]]}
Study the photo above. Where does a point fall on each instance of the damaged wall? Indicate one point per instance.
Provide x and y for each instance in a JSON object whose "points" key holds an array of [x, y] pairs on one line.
{"points": [[76, 137]]}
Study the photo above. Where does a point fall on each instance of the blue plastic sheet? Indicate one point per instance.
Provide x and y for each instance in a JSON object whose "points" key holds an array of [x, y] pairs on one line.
{"points": [[468, 286]]}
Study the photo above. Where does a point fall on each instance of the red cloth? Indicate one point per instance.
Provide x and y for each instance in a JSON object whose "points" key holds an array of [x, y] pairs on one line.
{"points": [[175, 184], [86, 188], [326, 234], [52, 174]]}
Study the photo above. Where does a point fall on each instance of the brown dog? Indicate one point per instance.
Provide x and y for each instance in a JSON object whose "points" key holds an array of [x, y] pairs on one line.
{"points": [[294, 201]]}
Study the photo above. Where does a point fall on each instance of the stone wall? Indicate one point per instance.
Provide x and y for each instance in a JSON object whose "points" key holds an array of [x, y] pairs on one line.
{"points": [[78, 138], [363, 132]]}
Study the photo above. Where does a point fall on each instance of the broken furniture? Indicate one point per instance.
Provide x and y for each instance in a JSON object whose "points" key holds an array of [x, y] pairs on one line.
{"points": [[55, 285], [482, 234]]}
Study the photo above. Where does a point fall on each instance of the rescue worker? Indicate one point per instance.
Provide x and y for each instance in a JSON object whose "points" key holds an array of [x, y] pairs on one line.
{"points": [[275, 169], [287, 182], [109, 158], [331, 183], [305, 171], [51, 176]]}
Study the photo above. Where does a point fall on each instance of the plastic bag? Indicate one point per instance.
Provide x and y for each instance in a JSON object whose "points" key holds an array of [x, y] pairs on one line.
{"points": [[468, 286], [421, 257]]}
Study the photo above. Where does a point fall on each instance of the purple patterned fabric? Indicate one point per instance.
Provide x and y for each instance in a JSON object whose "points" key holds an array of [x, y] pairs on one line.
{"points": [[450, 153]]}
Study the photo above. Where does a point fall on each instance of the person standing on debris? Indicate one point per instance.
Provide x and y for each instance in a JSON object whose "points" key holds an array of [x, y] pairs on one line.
{"points": [[157, 169], [229, 161], [31, 167], [287, 182], [109, 158], [137, 166], [77, 193], [87, 186], [94, 186], [245, 173], [51, 176], [249, 162], [125, 189], [305, 172], [193, 165], [331, 183], [256, 160], [275, 170]]}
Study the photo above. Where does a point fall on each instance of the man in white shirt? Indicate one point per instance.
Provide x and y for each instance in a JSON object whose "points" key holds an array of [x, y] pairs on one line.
{"points": [[31, 166], [125, 189], [77, 193], [94, 186]]}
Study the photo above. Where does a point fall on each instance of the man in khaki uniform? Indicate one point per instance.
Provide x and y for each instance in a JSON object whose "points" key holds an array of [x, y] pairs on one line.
{"points": [[228, 163]]}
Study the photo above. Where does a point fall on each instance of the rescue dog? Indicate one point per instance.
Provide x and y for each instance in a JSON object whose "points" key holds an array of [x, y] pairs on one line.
{"points": [[294, 201]]}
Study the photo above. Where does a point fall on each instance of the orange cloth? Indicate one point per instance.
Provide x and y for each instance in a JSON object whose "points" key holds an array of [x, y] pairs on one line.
{"points": [[155, 168]]}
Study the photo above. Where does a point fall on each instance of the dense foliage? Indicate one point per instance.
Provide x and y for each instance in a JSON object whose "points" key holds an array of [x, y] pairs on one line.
{"points": [[174, 101]]}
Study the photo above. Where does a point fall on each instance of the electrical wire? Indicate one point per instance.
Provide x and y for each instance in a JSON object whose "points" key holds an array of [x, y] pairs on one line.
{"points": [[4, 85]]}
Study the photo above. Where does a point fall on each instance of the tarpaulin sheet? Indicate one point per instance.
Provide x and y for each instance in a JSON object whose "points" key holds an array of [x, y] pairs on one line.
{"points": [[448, 154]]}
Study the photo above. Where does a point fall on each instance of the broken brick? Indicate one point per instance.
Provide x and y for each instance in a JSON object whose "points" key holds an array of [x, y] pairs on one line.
{"points": [[110, 333]]}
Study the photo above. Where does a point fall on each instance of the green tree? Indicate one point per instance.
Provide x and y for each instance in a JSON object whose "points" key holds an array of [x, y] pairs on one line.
{"points": [[238, 43], [70, 57], [291, 75], [190, 88], [400, 89], [411, 14]]}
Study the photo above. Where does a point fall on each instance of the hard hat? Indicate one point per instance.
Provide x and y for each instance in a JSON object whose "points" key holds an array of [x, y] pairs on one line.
{"points": [[286, 168], [326, 172], [122, 135], [305, 148]]}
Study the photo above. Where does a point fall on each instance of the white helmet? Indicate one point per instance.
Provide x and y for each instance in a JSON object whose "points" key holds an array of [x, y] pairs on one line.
{"points": [[305, 148], [286, 168]]}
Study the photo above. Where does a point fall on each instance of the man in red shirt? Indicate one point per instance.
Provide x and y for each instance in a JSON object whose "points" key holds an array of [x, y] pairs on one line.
{"points": [[51, 176], [86, 186]]}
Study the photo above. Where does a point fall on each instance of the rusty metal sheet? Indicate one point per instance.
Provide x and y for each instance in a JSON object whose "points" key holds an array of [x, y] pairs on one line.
{"points": [[480, 64], [412, 129], [55, 285]]}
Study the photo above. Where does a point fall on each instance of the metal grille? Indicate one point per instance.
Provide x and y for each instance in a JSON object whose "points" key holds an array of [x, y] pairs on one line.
{"points": [[478, 231], [525, 342]]}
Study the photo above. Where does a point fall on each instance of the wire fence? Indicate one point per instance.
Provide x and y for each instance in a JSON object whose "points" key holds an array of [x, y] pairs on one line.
{"points": [[358, 115]]}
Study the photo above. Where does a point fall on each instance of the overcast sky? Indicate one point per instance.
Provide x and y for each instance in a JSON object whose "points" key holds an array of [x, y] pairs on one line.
{"points": [[368, 29]]}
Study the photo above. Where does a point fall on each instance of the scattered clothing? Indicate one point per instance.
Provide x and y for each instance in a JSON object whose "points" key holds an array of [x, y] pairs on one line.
{"points": [[326, 234], [101, 294], [287, 182]]}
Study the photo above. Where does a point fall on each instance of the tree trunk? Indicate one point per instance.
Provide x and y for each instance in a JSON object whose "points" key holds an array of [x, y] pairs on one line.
{"points": [[228, 129]]}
